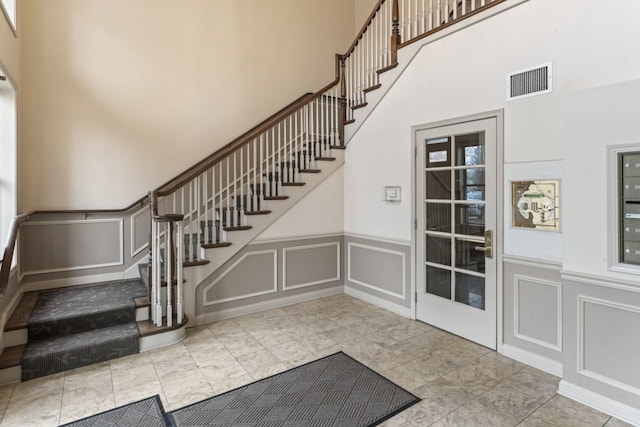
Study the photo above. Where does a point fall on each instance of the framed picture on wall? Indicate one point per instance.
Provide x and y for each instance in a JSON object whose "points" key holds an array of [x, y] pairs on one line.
{"points": [[536, 204]]}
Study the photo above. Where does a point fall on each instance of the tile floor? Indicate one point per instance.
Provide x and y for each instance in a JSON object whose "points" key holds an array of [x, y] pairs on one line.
{"points": [[461, 383]]}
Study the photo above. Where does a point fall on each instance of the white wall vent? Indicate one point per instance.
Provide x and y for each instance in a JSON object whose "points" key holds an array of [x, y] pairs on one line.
{"points": [[529, 82]]}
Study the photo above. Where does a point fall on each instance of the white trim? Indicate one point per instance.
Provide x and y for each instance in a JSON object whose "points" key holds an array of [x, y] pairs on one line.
{"points": [[229, 313], [162, 339], [274, 252], [10, 375], [317, 282], [557, 346], [379, 302], [72, 281], [613, 214], [6, 337], [133, 272], [581, 370], [119, 221], [370, 286], [605, 282], [602, 403], [15, 337], [532, 262], [550, 366], [259, 241], [378, 239], [132, 223]]}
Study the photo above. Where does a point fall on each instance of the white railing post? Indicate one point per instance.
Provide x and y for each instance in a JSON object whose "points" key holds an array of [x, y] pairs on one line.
{"points": [[179, 268]]}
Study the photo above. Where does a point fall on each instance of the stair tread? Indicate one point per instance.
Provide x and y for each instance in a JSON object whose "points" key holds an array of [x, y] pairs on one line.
{"points": [[261, 212], [195, 263], [293, 184], [146, 328], [68, 303], [20, 316], [238, 228], [276, 197], [326, 159], [216, 245], [141, 302], [310, 170]]}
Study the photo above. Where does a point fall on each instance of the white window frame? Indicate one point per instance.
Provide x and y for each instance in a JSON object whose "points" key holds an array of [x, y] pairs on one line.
{"points": [[9, 8]]}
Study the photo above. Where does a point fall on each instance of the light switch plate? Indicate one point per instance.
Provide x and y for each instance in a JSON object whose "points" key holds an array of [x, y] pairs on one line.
{"points": [[392, 193]]}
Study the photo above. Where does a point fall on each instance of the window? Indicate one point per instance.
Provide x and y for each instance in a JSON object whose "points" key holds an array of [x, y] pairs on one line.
{"points": [[8, 156], [9, 9]]}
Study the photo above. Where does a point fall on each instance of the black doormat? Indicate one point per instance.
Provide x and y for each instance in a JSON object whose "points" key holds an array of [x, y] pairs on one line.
{"points": [[144, 413], [336, 390]]}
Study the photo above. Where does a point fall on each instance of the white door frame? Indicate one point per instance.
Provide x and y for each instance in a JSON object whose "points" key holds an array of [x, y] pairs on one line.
{"points": [[499, 232]]}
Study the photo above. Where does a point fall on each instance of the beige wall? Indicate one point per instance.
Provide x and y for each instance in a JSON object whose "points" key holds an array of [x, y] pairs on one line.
{"points": [[120, 96], [363, 9]]}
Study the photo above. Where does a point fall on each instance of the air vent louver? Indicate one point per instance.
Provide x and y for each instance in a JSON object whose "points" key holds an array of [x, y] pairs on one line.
{"points": [[529, 82]]}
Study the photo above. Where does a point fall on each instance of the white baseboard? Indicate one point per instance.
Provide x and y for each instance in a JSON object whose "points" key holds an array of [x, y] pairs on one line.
{"points": [[163, 339], [624, 412], [230, 313], [10, 375], [133, 272], [382, 303], [540, 362], [72, 281], [17, 337]]}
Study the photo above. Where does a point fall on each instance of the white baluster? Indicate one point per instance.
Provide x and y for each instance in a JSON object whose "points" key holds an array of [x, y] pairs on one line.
{"points": [[158, 275], [169, 276], [180, 249]]}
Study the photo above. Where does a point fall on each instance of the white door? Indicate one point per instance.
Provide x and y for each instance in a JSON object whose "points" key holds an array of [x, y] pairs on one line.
{"points": [[456, 208]]}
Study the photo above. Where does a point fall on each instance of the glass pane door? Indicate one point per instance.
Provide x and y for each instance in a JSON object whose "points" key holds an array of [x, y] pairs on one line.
{"points": [[455, 194]]}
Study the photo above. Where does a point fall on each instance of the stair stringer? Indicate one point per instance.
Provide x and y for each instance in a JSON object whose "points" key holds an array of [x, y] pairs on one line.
{"points": [[198, 277], [406, 56]]}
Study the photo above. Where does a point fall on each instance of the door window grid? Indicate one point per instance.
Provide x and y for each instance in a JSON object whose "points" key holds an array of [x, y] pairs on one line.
{"points": [[457, 281]]}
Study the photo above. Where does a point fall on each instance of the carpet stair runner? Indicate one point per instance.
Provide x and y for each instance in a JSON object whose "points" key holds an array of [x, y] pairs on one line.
{"points": [[78, 326]]}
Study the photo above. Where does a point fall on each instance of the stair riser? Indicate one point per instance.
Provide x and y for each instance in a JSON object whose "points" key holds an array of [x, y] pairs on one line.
{"points": [[81, 323], [66, 360]]}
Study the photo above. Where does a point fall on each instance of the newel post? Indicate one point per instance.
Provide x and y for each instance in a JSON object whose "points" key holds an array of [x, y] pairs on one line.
{"points": [[395, 32], [342, 114]]}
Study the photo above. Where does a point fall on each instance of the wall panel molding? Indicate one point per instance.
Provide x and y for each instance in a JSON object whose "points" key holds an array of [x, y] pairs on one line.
{"points": [[120, 244], [136, 250], [231, 268], [582, 302], [351, 278], [332, 278], [518, 278]]}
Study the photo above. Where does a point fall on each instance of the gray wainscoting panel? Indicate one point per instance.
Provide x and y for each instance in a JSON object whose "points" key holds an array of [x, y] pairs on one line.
{"points": [[609, 326], [533, 307], [602, 337], [52, 246], [310, 265], [379, 268], [140, 229], [255, 273], [251, 281]]}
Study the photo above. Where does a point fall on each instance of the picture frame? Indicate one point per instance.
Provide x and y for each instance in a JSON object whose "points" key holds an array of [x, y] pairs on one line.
{"points": [[535, 204]]}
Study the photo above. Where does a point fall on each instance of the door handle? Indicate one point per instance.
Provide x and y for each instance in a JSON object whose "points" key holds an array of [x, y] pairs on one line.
{"points": [[488, 244]]}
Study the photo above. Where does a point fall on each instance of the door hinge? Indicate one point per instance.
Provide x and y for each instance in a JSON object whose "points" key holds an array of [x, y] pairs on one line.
{"points": [[416, 297], [415, 151], [415, 223]]}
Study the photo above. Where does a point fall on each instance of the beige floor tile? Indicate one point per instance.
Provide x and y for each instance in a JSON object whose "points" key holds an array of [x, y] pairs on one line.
{"points": [[292, 353], [82, 402], [261, 364], [561, 411], [411, 375], [614, 422], [513, 402], [93, 376], [475, 414]]}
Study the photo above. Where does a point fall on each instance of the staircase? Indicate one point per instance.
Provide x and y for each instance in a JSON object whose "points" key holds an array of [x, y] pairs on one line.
{"points": [[72, 327], [204, 216]]}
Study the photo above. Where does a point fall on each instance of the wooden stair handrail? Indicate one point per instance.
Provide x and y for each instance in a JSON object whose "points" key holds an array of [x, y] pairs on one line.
{"points": [[363, 30], [7, 257], [202, 166]]}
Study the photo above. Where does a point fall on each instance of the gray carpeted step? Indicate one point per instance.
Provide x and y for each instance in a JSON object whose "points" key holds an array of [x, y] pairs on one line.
{"points": [[71, 310], [57, 354]]}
